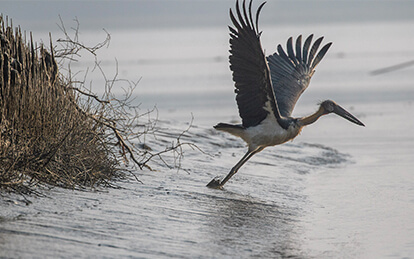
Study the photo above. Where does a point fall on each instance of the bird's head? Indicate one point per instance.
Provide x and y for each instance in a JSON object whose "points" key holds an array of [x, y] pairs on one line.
{"points": [[330, 106]]}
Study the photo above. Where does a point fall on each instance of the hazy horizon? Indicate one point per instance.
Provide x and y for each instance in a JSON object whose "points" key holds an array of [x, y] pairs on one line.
{"points": [[115, 15]]}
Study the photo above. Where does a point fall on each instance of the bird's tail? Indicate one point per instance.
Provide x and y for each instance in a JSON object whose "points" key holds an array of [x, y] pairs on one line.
{"points": [[236, 130]]}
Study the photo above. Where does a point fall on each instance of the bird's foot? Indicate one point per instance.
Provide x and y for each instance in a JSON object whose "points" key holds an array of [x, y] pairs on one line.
{"points": [[215, 183]]}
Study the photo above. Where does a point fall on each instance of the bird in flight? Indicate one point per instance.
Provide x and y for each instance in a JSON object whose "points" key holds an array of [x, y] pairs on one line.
{"points": [[267, 88]]}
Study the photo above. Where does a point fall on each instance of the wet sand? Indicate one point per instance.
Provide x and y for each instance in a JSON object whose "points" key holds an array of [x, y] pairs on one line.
{"points": [[337, 191]]}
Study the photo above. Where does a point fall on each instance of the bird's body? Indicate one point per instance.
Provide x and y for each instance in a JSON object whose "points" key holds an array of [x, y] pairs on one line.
{"points": [[267, 133], [267, 88]]}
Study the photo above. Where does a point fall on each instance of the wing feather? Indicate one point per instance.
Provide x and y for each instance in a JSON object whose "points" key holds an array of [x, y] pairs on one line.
{"points": [[282, 54], [320, 55], [314, 48], [291, 73], [306, 48], [298, 48], [251, 74], [291, 54]]}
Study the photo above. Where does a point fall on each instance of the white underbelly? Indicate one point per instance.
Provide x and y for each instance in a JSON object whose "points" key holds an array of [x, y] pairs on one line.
{"points": [[268, 133]]}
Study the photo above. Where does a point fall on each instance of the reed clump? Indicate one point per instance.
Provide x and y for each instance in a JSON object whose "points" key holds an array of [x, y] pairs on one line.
{"points": [[47, 134], [54, 131]]}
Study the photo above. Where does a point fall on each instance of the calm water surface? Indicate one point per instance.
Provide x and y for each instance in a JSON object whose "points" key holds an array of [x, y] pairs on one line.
{"points": [[337, 191]]}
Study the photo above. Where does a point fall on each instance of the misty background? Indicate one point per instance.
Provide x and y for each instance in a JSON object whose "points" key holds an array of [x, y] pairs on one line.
{"points": [[142, 14]]}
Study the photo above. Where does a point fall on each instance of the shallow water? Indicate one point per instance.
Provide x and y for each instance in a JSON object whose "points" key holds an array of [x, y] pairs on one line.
{"points": [[337, 191], [173, 214]]}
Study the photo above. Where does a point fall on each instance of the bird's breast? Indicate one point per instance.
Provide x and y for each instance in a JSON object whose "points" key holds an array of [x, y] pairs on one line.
{"points": [[269, 133]]}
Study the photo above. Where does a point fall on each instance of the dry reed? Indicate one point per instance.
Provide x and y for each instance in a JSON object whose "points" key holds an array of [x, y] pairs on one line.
{"points": [[44, 136], [53, 132]]}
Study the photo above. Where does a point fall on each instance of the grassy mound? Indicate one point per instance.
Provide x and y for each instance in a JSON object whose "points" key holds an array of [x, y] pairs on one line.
{"points": [[45, 134]]}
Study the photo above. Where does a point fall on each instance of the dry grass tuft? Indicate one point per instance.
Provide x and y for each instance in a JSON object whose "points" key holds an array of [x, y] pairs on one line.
{"points": [[54, 131], [44, 135]]}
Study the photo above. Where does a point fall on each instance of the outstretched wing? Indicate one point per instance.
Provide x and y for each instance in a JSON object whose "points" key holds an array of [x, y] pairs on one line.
{"points": [[255, 97], [291, 72]]}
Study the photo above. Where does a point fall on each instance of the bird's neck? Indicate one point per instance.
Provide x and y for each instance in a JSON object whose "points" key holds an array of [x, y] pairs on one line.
{"points": [[312, 118]]}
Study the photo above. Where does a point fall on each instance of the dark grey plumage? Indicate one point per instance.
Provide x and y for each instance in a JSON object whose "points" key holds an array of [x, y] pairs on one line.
{"points": [[250, 70], [291, 72]]}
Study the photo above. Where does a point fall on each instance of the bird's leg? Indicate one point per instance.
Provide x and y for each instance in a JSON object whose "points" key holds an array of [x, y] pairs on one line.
{"points": [[216, 183]]}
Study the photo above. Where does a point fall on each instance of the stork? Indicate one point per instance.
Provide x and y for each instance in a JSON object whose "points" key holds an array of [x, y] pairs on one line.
{"points": [[267, 88]]}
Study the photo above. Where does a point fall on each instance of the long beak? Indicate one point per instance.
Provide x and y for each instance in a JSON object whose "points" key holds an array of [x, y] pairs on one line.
{"points": [[346, 115]]}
